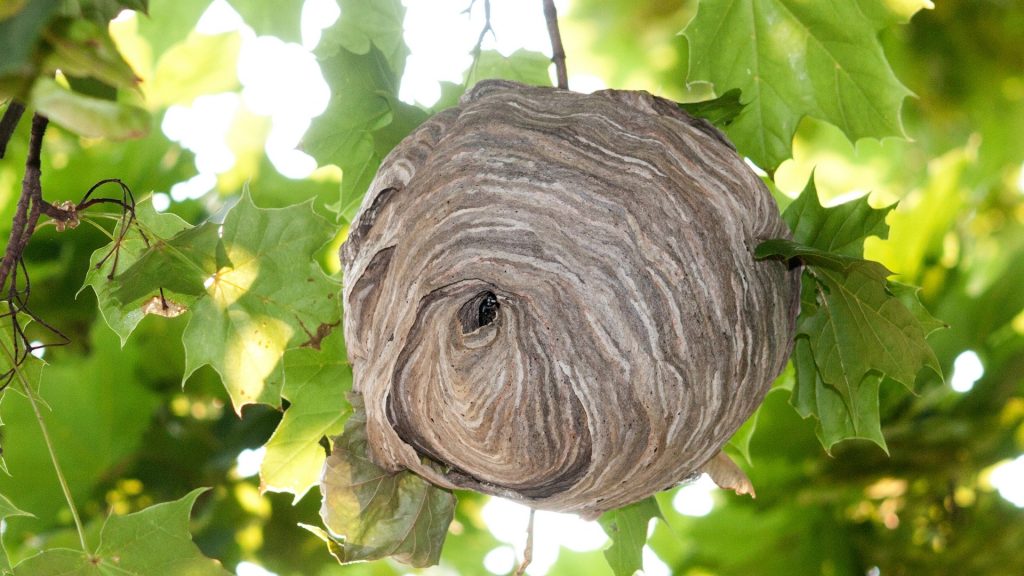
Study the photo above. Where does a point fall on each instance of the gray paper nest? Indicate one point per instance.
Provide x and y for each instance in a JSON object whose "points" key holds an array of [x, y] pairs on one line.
{"points": [[554, 296]]}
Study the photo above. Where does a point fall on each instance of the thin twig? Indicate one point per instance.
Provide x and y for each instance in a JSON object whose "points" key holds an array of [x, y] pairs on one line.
{"points": [[30, 394], [8, 123], [478, 49], [528, 552], [557, 51]]}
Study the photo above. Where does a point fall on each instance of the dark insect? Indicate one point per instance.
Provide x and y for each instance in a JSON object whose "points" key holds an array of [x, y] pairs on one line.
{"points": [[488, 309]]}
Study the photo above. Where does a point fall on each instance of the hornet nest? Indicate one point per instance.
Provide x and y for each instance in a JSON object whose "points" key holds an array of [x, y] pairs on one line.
{"points": [[554, 296]]}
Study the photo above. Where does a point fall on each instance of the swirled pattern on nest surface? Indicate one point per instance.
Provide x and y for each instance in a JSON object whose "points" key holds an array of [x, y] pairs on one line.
{"points": [[554, 295]]}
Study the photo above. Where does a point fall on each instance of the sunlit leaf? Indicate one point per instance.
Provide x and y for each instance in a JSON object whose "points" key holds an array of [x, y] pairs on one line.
{"points": [[372, 513], [522, 66], [88, 116], [926, 215], [263, 300], [363, 24], [793, 59], [258, 287], [627, 529], [352, 131], [155, 540], [316, 382], [169, 22], [202, 64], [279, 18]]}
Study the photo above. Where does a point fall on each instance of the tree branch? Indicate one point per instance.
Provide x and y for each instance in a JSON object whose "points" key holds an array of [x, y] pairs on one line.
{"points": [[27, 213], [8, 123], [557, 51], [528, 551]]}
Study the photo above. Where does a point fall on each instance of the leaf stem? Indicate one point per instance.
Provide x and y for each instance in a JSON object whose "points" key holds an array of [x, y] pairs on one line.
{"points": [[49, 446]]}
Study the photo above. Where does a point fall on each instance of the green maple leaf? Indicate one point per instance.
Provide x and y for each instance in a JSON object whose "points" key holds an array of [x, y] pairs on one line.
{"points": [[859, 326], [841, 229], [627, 529], [178, 258], [264, 301], [719, 111], [257, 287], [316, 381], [87, 115], [836, 420], [364, 24], [279, 18], [793, 59], [522, 65], [854, 326], [158, 228], [358, 128], [362, 57], [740, 440], [152, 541], [372, 513]]}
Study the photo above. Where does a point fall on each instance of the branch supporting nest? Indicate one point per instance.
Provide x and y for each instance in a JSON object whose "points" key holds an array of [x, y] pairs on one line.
{"points": [[557, 51], [528, 551]]}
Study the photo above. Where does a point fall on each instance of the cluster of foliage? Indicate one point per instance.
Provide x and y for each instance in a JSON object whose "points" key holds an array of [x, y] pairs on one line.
{"points": [[248, 283]]}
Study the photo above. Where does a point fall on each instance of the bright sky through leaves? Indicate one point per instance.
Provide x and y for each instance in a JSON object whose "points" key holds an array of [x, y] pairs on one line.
{"points": [[281, 80], [1008, 479], [967, 369]]}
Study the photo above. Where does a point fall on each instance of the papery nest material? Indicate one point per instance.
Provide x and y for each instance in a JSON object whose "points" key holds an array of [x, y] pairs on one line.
{"points": [[554, 295]]}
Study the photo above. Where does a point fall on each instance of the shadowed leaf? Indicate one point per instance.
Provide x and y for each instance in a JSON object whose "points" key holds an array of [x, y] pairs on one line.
{"points": [[854, 325], [86, 115], [719, 111], [123, 317], [373, 513]]}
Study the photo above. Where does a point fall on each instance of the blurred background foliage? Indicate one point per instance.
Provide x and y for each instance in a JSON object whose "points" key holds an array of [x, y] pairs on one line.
{"points": [[129, 435]]}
